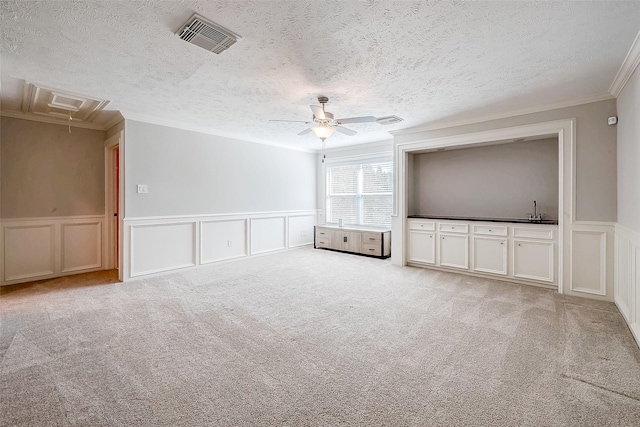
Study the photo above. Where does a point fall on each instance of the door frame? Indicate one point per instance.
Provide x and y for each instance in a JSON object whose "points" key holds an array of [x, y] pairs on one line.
{"points": [[110, 145]]}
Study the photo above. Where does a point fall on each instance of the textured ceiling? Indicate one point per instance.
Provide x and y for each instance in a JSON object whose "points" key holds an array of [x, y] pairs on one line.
{"points": [[423, 61]]}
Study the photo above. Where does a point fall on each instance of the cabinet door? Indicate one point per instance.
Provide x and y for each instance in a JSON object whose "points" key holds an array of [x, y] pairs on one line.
{"points": [[352, 241], [422, 247], [490, 255], [454, 251], [533, 260], [336, 239]]}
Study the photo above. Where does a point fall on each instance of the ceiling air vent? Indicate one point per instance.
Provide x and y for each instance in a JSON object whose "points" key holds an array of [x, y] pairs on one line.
{"points": [[201, 32], [389, 120]]}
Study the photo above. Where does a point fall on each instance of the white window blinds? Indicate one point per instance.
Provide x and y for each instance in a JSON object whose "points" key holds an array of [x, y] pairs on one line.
{"points": [[360, 194]]}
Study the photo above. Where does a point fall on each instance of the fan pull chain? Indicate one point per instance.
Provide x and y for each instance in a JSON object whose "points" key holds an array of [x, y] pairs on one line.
{"points": [[70, 118], [323, 155]]}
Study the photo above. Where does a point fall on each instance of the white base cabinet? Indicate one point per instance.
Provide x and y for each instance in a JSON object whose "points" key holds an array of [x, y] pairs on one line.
{"points": [[533, 260], [422, 247], [521, 252], [454, 251], [490, 255]]}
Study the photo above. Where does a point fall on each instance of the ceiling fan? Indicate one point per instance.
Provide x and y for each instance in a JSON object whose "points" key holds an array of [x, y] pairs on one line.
{"points": [[324, 123]]}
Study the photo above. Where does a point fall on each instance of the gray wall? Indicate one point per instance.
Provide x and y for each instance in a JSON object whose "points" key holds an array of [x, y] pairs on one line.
{"points": [[596, 186], [191, 173], [629, 154], [46, 171], [495, 181]]}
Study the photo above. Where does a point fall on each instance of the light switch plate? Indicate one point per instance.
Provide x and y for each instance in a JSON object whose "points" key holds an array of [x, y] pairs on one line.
{"points": [[143, 188]]}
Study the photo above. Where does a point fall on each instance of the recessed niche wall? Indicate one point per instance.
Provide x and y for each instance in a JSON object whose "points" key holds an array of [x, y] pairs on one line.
{"points": [[488, 181]]}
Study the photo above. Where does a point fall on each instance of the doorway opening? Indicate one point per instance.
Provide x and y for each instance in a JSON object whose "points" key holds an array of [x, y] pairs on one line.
{"points": [[113, 203]]}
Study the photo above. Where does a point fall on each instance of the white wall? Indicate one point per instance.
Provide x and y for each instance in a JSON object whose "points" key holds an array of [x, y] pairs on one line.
{"points": [[191, 173], [627, 292], [495, 181], [629, 154], [211, 199]]}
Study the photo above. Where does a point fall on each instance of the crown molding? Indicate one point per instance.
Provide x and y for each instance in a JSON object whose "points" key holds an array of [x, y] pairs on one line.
{"points": [[627, 68], [514, 113], [176, 124], [50, 120]]}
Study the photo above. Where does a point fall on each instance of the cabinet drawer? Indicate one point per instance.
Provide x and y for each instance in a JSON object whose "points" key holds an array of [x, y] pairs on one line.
{"points": [[371, 249], [323, 242], [533, 232], [371, 238], [454, 228], [422, 225], [490, 230], [322, 232]]}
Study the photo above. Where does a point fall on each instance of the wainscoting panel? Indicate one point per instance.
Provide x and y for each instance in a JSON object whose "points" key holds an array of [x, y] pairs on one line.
{"points": [[81, 246], [158, 244], [623, 285], [40, 248], [222, 240], [162, 247], [301, 230], [627, 283], [29, 252], [589, 275], [268, 234]]}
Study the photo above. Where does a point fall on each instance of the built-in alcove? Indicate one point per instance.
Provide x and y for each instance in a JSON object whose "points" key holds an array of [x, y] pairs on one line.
{"points": [[493, 180]]}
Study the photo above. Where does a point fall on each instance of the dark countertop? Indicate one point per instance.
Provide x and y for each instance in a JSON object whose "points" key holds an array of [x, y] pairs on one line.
{"points": [[512, 220]]}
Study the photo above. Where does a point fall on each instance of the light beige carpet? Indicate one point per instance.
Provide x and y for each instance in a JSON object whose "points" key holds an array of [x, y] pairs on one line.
{"points": [[311, 337]]}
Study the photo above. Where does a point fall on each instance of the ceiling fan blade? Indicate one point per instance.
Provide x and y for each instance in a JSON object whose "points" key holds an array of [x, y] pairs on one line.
{"points": [[363, 119], [292, 121], [304, 132], [317, 111], [346, 131]]}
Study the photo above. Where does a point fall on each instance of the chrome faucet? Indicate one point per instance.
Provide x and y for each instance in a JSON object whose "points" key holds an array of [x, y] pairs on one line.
{"points": [[536, 216]]}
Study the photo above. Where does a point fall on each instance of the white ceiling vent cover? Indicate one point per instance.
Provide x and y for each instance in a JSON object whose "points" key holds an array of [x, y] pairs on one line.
{"points": [[204, 33], [389, 120]]}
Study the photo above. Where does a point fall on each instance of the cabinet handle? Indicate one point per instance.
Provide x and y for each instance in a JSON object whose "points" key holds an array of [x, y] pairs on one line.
{"points": [[443, 238], [489, 229], [372, 238], [519, 244], [371, 249], [502, 243]]}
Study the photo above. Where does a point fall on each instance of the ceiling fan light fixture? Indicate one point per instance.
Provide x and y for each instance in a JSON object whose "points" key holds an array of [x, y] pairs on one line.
{"points": [[323, 131]]}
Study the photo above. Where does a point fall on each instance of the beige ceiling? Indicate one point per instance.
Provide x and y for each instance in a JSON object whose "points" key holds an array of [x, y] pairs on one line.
{"points": [[426, 62]]}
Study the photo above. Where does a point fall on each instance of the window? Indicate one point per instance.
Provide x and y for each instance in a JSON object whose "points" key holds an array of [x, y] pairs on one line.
{"points": [[360, 194]]}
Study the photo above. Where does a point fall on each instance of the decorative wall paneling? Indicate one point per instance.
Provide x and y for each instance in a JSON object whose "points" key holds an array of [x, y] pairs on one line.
{"points": [[627, 277], [41, 248], [161, 244], [592, 258]]}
